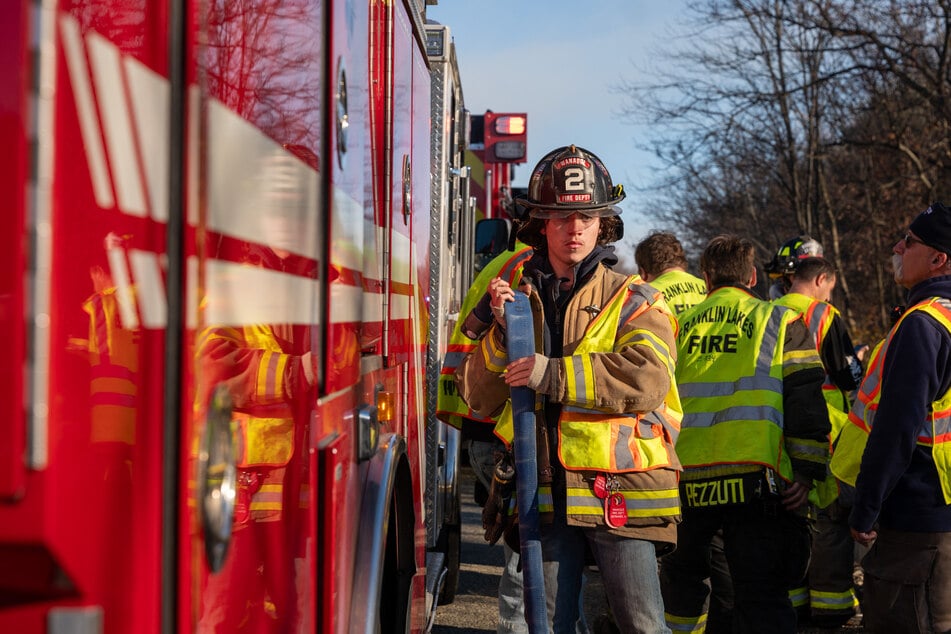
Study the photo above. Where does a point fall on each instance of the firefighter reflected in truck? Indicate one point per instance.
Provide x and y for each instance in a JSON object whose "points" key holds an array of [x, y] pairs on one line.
{"points": [[269, 370], [112, 347]]}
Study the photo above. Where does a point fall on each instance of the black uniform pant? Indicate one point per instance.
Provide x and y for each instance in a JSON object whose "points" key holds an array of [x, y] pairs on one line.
{"points": [[767, 549], [908, 583], [831, 597]]}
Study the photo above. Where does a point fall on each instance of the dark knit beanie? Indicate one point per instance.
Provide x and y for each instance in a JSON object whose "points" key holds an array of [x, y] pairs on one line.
{"points": [[933, 226]]}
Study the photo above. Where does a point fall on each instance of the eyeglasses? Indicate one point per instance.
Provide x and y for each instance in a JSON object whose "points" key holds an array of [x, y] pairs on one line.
{"points": [[910, 240], [584, 219]]}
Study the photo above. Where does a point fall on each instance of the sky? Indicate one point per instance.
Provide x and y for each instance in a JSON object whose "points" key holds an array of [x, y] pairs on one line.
{"points": [[561, 61]]}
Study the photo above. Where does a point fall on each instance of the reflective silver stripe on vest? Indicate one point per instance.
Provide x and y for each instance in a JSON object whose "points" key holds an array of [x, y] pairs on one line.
{"points": [[507, 271], [870, 385], [637, 299], [645, 422], [941, 426], [739, 412], [761, 380], [872, 379], [575, 364], [623, 457], [453, 359], [811, 451], [727, 388], [764, 361], [858, 409], [585, 410], [814, 320]]}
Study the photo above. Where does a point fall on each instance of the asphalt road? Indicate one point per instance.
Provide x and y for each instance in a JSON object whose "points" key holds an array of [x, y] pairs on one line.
{"points": [[474, 608]]}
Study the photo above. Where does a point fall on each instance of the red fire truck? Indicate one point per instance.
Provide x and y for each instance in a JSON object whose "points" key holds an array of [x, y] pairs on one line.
{"points": [[236, 233]]}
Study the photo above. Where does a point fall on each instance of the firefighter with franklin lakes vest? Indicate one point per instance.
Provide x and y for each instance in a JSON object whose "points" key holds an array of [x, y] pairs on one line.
{"points": [[606, 399], [753, 440], [902, 420], [662, 263], [827, 597]]}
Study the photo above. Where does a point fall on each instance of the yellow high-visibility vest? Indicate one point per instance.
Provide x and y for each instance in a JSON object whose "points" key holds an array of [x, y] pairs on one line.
{"points": [[935, 431], [681, 290], [114, 365], [733, 405], [616, 443], [450, 407], [612, 443], [818, 316], [262, 420]]}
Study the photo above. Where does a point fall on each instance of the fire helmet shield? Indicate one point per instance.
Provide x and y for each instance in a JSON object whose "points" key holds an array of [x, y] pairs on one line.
{"points": [[571, 179]]}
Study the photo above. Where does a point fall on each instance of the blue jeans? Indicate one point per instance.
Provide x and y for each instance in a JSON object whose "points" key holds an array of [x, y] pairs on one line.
{"points": [[628, 571], [511, 603]]}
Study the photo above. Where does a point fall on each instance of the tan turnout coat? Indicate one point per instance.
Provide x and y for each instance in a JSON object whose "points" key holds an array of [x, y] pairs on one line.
{"points": [[631, 379]]}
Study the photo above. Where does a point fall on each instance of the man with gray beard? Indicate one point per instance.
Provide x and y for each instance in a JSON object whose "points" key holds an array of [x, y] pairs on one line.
{"points": [[903, 491]]}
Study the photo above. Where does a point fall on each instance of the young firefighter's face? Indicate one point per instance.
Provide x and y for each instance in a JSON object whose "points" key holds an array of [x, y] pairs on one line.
{"points": [[571, 239]]}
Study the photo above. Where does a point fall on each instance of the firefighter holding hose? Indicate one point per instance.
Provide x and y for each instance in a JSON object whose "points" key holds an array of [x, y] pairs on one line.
{"points": [[607, 405]]}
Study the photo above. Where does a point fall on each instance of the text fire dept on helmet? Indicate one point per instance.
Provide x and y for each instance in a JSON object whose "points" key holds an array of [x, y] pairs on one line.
{"points": [[603, 373]]}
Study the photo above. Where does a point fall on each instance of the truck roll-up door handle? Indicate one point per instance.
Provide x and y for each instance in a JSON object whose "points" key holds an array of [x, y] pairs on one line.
{"points": [[217, 477]]}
